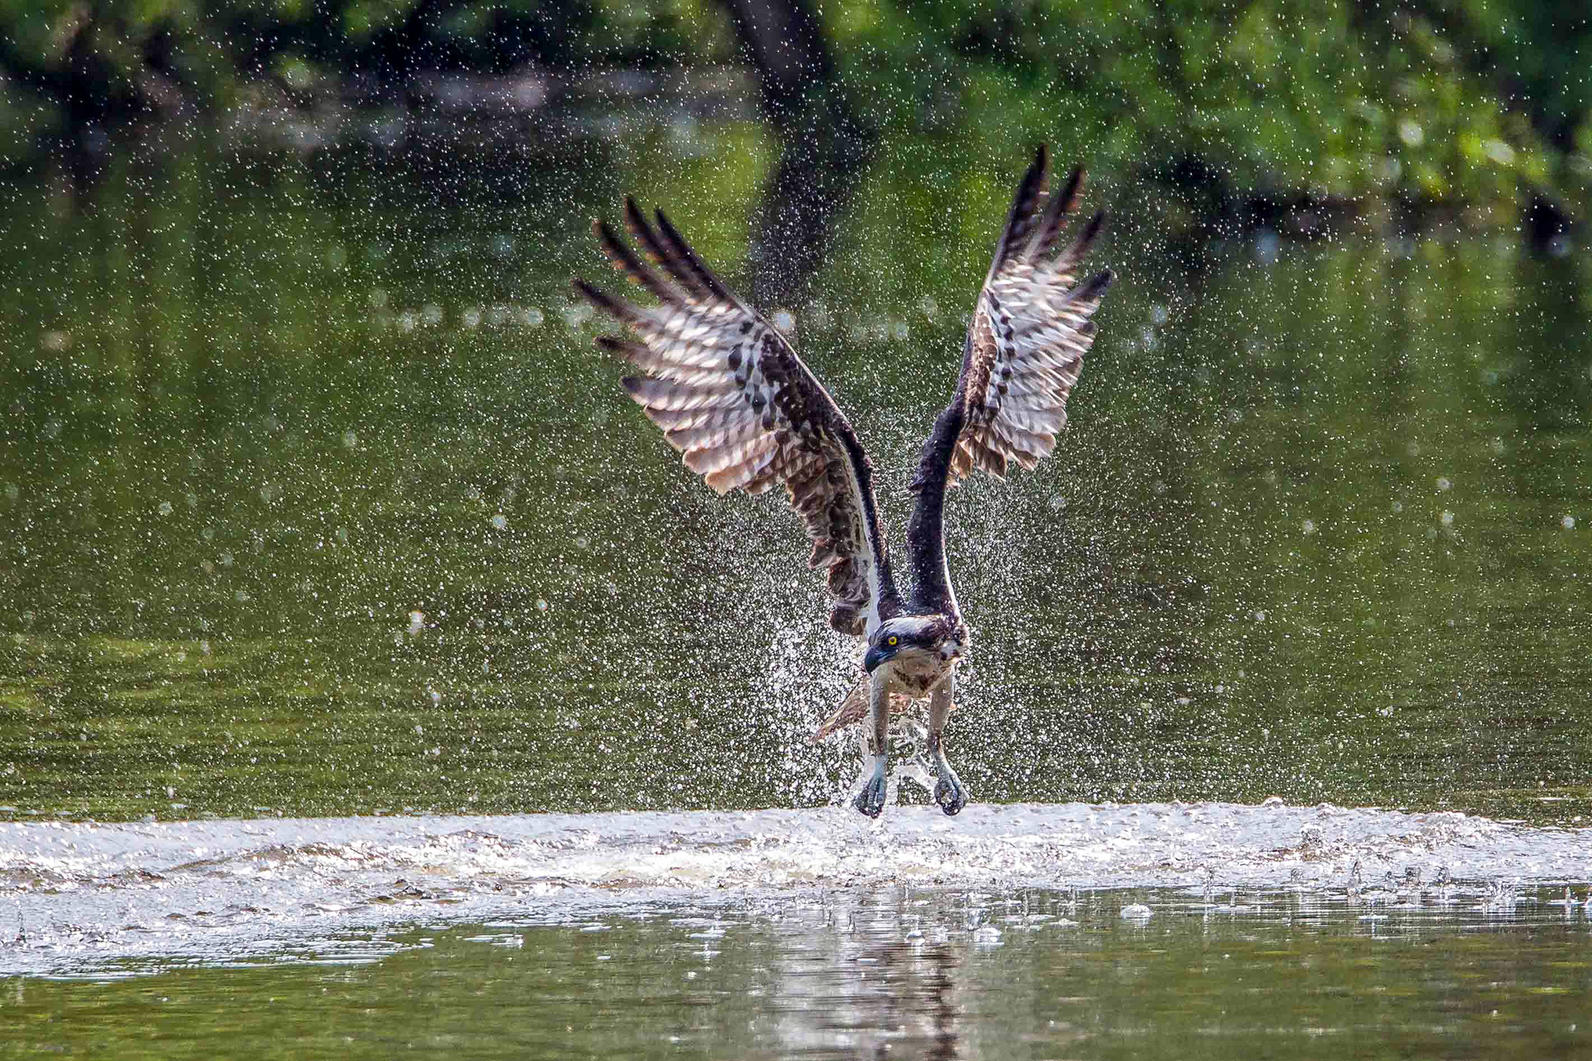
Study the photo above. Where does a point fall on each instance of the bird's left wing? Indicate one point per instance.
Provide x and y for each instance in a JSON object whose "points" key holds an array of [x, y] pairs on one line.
{"points": [[1024, 348], [730, 392]]}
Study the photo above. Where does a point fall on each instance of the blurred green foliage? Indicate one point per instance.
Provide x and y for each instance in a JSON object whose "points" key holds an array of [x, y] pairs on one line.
{"points": [[1477, 105], [1338, 98]]}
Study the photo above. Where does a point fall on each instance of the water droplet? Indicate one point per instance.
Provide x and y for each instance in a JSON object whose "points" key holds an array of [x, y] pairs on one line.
{"points": [[1268, 246]]}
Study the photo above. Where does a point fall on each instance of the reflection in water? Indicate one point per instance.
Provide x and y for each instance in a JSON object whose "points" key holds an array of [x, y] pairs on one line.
{"points": [[895, 972], [890, 987], [823, 146], [795, 221]]}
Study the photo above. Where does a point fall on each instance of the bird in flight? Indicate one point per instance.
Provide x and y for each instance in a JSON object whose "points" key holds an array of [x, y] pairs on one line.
{"points": [[730, 393]]}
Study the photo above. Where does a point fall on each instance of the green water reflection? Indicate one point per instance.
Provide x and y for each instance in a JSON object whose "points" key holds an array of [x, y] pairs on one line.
{"points": [[315, 499], [899, 973]]}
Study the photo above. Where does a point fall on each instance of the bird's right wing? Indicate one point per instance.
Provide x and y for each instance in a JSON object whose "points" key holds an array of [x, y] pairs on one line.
{"points": [[1029, 331], [1024, 348], [730, 392]]}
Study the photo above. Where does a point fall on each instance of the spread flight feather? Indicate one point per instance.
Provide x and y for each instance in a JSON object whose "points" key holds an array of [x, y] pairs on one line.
{"points": [[730, 393]]}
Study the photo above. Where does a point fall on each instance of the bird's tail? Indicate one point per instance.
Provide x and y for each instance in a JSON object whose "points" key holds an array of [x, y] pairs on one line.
{"points": [[854, 708]]}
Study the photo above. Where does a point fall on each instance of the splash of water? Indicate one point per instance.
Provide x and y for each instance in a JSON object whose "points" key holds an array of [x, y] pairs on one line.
{"points": [[72, 892]]}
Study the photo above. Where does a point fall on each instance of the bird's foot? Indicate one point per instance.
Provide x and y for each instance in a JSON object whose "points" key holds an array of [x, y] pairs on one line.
{"points": [[871, 799], [948, 791]]}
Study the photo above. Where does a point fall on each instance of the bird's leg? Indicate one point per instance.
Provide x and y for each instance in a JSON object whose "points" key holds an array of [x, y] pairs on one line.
{"points": [[871, 799], [948, 790]]}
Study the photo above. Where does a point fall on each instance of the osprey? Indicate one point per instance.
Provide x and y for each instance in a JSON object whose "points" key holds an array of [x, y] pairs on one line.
{"points": [[730, 392]]}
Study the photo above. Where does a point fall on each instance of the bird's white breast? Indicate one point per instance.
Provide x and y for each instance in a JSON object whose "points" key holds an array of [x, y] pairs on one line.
{"points": [[917, 673]]}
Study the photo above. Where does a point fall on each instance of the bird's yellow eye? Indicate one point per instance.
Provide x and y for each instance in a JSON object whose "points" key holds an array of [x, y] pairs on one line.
{"points": [[892, 641]]}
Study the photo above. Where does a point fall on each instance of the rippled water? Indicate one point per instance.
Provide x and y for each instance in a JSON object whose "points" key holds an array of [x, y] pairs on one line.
{"points": [[895, 974], [1018, 931]]}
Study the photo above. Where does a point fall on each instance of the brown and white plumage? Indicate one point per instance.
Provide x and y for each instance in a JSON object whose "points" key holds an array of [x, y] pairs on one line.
{"points": [[732, 395], [1023, 351], [1030, 330], [854, 708]]}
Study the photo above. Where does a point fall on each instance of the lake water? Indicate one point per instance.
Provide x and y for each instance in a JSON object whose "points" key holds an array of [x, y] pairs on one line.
{"points": [[317, 502], [1188, 929]]}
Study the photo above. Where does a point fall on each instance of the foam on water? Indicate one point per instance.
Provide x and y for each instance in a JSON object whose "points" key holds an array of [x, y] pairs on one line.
{"points": [[81, 895]]}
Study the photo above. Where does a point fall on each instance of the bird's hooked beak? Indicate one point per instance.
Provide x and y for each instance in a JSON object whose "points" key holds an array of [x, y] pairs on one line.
{"points": [[877, 654]]}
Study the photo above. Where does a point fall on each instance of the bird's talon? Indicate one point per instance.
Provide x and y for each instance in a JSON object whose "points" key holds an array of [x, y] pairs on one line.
{"points": [[950, 795], [870, 800]]}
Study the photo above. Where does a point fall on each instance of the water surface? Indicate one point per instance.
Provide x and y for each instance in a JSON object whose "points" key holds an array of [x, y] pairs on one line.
{"points": [[330, 551], [1019, 932], [316, 499]]}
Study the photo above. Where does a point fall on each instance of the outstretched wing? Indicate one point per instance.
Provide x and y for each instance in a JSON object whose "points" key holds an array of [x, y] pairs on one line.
{"points": [[731, 394], [1024, 348], [1030, 330]]}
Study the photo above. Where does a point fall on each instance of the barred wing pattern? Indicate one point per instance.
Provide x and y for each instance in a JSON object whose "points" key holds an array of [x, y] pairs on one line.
{"points": [[1024, 347], [731, 394], [1029, 332]]}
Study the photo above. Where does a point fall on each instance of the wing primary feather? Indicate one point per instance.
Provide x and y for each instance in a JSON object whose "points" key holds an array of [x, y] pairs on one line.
{"points": [[1068, 259], [689, 259], [1029, 189], [1093, 288], [650, 242], [625, 261], [1057, 210], [617, 308], [624, 349]]}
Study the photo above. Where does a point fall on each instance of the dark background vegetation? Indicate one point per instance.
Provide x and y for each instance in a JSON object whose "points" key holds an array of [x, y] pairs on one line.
{"points": [[1474, 110]]}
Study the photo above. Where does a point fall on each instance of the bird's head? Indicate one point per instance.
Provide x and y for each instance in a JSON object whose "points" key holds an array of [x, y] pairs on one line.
{"points": [[935, 639]]}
